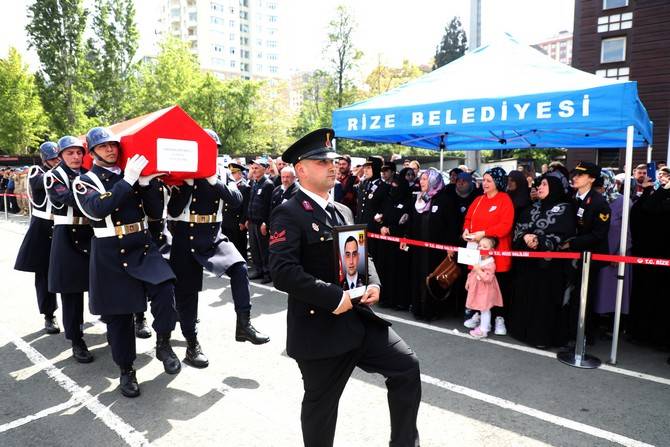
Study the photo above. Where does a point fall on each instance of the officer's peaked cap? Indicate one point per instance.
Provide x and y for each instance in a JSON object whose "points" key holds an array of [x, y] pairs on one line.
{"points": [[316, 145], [585, 167]]}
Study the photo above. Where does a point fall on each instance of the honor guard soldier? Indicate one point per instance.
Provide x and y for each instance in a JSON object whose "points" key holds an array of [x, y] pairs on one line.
{"points": [[234, 220], [126, 266], [195, 209], [286, 189], [258, 219], [71, 243], [35, 250], [372, 193], [327, 334]]}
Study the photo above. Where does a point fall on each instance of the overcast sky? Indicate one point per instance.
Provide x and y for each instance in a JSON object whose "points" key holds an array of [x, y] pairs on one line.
{"points": [[388, 30]]}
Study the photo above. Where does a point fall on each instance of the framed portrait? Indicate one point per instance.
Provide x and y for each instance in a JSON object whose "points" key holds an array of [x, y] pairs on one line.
{"points": [[351, 251]]}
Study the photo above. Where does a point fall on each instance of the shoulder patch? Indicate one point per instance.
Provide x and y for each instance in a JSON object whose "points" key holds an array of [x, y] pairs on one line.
{"points": [[604, 217], [277, 236]]}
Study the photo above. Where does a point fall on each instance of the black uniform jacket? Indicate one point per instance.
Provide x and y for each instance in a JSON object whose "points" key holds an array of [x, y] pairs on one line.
{"points": [[121, 264], [203, 242], [234, 216], [302, 263], [35, 249], [371, 197], [260, 198], [593, 223], [280, 196], [71, 244]]}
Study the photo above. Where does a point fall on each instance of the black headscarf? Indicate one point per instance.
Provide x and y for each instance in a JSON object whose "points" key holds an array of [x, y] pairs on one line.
{"points": [[403, 190], [556, 193], [521, 195], [499, 177]]}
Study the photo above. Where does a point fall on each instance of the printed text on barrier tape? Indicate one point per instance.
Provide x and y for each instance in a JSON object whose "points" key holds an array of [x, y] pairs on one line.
{"points": [[631, 260]]}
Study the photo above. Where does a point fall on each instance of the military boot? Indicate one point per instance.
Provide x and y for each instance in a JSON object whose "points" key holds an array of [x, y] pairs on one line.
{"points": [[142, 328], [80, 351], [194, 356], [51, 325], [164, 353], [128, 383], [244, 331]]}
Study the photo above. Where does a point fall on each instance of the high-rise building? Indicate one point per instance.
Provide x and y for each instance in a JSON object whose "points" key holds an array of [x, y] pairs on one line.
{"points": [[558, 47], [231, 38], [629, 40]]}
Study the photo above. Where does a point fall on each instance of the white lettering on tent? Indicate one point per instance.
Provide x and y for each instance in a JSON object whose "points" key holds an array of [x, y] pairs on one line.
{"points": [[448, 119], [521, 110], [352, 124], [364, 121], [389, 121], [468, 115], [503, 112], [567, 108], [434, 118], [487, 114], [417, 119], [375, 122], [585, 106], [176, 155], [544, 110]]}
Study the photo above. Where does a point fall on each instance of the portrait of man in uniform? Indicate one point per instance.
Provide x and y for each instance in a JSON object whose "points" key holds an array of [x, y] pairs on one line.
{"points": [[352, 255]]}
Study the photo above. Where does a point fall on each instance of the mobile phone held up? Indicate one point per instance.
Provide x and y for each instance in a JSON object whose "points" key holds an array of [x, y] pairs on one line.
{"points": [[651, 171]]}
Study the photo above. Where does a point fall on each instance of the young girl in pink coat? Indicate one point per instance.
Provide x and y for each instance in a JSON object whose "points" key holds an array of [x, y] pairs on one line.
{"points": [[483, 290]]}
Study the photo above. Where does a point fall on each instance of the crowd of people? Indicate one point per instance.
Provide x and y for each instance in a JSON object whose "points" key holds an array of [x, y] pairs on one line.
{"points": [[13, 183]]}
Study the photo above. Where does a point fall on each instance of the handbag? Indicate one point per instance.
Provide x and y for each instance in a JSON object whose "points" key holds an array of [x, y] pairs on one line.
{"points": [[440, 281]]}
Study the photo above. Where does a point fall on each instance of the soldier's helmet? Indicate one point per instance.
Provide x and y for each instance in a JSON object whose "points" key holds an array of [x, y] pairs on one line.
{"points": [[69, 141], [100, 135], [48, 150], [214, 136]]}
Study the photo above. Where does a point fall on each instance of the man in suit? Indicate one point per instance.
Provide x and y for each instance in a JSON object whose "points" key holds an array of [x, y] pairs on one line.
{"points": [[258, 217], [327, 334], [234, 219], [286, 188], [350, 259]]}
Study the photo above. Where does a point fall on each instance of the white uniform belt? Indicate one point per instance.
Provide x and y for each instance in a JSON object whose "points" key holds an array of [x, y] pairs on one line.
{"points": [[43, 215], [198, 218], [120, 230], [70, 220]]}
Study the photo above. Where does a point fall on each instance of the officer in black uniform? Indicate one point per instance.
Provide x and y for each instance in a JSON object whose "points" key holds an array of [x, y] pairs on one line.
{"points": [[258, 218], [196, 212], [35, 250], [593, 224], [126, 266], [327, 334], [71, 243], [234, 219], [286, 189], [372, 193]]}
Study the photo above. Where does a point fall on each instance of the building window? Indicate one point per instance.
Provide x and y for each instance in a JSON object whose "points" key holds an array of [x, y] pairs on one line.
{"points": [[193, 16], [216, 20], [622, 73], [217, 48], [611, 4], [613, 50], [233, 64], [175, 12], [272, 19], [615, 22], [244, 15], [244, 54], [272, 5], [218, 61], [259, 67], [272, 57], [231, 23], [273, 69], [272, 44], [244, 67], [244, 41], [233, 36], [244, 28], [232, 51], [244, 3], [217, 7]]}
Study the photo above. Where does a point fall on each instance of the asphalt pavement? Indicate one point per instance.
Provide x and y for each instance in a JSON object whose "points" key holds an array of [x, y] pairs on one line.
{"points": [[495, 392]]}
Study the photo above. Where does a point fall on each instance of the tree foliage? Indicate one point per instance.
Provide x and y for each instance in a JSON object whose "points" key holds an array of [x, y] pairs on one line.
{"points": [[453, 45], [384, 78], [344, 55], [21, 114]]}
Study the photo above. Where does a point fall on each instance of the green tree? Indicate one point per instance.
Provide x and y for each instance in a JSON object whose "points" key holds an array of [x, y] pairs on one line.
{"points": [[384, 78], [273, 118], [55, 31], [316, 103], [110, 54], [21, 114], [344, 55], [453, 45]]}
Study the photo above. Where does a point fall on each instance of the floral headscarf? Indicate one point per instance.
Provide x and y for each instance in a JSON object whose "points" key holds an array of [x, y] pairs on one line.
{"points": [[499, 177], [435, 185], [609, 184]]}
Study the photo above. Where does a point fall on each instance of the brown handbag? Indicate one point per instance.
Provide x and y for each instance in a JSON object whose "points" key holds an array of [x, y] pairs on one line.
{"points": [[443, 277]]}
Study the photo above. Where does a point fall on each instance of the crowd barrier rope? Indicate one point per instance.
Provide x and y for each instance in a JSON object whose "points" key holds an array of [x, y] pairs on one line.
{"points": [[579, 358], [4, 201]]}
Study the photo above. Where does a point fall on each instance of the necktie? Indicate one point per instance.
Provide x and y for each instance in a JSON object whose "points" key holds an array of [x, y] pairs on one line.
{"points": [[333, 214], [353, 286]]}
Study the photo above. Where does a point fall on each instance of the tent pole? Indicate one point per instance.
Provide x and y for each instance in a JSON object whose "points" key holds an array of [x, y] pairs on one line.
{"points": [[649, 149], [623, 240], [668, 155], [441, 159]]}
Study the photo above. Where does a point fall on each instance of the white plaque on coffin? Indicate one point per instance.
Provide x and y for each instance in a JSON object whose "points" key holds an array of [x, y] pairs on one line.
{"points": [[176, 155]]}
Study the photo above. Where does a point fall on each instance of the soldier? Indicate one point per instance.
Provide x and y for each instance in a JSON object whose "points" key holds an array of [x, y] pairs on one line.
{"points": [[36, 247], [234, 220], [372, 193], [195, 209], [258, 218], [126, 266], [71, 243], [327, 334], [286, 189]]}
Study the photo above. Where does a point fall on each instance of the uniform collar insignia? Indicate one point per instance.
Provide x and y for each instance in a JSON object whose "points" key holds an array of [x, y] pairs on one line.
{"points": [[315, 227], [307, 206]]}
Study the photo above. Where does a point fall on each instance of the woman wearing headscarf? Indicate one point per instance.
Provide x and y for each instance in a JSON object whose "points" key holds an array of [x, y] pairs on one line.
{"points": [[392, 263], [492, 215], [538, 312], [432, 220], [518, 191]]}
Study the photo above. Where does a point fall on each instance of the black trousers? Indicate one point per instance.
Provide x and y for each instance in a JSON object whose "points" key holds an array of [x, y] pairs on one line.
{"points": [[259, 245], [383, 352], [187, 302], [73, 315], [238, 238], [121, 328], [46, 301]]}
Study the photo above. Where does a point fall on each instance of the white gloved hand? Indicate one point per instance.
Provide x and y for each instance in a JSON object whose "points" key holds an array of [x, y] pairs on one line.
{"points": [[134, 167], [188, 181], [212, 179], [145, 179]]}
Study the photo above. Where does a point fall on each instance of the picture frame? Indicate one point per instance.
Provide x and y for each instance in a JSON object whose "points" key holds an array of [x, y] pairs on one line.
{"points": [[350, 256]]}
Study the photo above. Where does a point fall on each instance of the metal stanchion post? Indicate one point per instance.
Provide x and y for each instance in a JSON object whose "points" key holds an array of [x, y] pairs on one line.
{"points": [[4, 199], [579, 358]]}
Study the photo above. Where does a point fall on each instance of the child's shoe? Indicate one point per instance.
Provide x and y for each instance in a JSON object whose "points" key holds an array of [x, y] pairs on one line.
{"points": [[473, 321], [478, 333]]}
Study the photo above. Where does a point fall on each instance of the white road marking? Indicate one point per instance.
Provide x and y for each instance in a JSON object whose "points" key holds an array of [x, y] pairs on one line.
{"points": [[125, 431], [547, 417], [33, 417]]}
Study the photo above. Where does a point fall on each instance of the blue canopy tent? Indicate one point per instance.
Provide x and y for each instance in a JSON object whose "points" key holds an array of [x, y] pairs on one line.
{"points": [[506, 95]]}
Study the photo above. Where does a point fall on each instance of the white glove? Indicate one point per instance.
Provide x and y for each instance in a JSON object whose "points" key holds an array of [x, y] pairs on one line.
{"points": [[212, 179], [188, 181], [145, 179], [134, 167]]}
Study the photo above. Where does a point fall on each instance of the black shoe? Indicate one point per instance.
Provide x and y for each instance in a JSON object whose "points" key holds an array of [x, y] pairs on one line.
{"points": [[194, 356], [80, 351], [142, 329], [244, 331], [165, 354], [128, 383], [256, 275], [51, 325], [266, 279]]}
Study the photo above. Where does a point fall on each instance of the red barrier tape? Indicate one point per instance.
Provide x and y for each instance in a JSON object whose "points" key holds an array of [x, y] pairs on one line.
{"points": [[14, 195], [529, 254]]}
